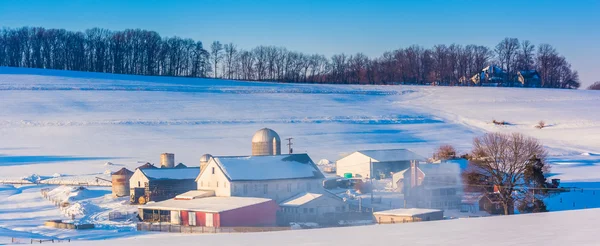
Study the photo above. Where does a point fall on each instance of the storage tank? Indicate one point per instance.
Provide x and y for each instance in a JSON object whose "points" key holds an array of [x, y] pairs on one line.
{"points": [[266, 142], [204, 159], [167, 160], [120, 182]]}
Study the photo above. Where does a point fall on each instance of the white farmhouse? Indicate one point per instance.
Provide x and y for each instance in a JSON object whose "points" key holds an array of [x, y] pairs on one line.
{"points": [[374, 163]]}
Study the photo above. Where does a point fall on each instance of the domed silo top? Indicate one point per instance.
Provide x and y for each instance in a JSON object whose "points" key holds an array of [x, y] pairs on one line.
{"points": [[266, 142], [265, 135]]}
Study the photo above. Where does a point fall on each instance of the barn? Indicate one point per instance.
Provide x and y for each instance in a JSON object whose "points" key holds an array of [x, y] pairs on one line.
{"points": [[405, 215], [213, 212], [158, 184], [376, 163], [311, 207]]}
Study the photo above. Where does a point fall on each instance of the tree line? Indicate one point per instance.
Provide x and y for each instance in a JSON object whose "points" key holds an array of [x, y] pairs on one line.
{"points": [[143, 52]]}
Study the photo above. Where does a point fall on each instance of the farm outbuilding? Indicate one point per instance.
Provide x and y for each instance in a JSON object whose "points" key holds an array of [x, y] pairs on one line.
{"points": [[376, 163], [405, 215], [213, 212], [311, 207], [157, 184], [120, 182]]}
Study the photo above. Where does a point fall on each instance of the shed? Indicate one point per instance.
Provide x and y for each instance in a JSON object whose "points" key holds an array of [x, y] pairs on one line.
{"points": [[404, 215], [376, 163], [213, 212], [311, 207]]}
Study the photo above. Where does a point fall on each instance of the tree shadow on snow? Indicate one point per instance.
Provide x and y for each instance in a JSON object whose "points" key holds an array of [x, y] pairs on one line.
{"points": [[15, 160]]}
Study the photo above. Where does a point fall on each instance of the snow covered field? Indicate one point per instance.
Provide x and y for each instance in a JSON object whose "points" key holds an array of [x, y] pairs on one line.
{"points": [[559, 228], [72, 123]]}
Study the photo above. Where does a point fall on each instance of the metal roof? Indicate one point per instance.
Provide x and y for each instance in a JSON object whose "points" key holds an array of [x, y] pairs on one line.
{"points": [[206, 204], [171, 173], [268, 167], [265, 135], [407, 211], [389, 155]]}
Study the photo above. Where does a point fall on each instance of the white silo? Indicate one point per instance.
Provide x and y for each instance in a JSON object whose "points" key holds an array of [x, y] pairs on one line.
{"points": [[266, 142], [204, 159], [167, 160]]}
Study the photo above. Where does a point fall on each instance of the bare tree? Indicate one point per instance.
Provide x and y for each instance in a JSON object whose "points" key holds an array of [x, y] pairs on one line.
{"points": [[594, 86], [500, 162], [230, 54], [506, 51], [445, 152], [215, 51]]}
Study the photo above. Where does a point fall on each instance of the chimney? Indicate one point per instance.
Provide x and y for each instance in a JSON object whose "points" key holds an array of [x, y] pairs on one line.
{"points": [[414, 177]]}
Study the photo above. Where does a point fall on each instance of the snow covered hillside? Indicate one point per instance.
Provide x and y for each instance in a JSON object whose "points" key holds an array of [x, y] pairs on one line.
{"points": [[59, 121], [560, 228], [64, 126]]}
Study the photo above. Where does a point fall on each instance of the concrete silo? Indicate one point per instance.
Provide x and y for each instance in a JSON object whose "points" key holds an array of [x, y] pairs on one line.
{"points": [[120, 182], [266, 142], [204, 159], [167, 160]]}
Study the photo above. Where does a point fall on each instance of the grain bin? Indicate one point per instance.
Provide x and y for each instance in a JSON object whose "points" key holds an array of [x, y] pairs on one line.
{"points": [[266, 142], [120, 182], [167, 160], [204, 159]]}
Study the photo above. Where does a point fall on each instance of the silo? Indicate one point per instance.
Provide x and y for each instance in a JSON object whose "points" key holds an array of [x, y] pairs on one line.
{"points": [[167, 160], [120, 182], [266, 142], [204, 159]]}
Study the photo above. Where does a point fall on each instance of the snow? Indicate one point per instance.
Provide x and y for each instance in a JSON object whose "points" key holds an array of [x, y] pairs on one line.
{"points": [[194, 194], [407, 211], [294, 166], [171, 173], [560, 228], [207, 204], [300, 199], [388, 155], [72, 123]]}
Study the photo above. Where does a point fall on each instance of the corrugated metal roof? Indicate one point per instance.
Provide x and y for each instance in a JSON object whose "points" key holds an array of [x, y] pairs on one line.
{"points": [[388, 155], [123, 171], [269, 167], [171, 173], [206, 204]]}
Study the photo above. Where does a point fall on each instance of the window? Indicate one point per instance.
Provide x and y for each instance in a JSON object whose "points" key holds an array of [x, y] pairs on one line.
{"points": [[217, 184], [266, 188], [305, 210], [311, 210], [139, 184], [201, 183], [213, 170], [225, 184], [289, 187], [245, 189]]}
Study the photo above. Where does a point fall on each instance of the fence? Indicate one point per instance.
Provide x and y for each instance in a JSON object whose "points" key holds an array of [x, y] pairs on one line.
{"points": [[15, 240], [165, 227], [325, 219], [118, 216]]}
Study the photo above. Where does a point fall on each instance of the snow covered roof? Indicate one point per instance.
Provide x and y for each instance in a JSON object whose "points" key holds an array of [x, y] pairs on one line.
{"points": [[300, 199], [195, 194], [206, 204], [407, 211], [171, 173], [268, 167], [386, 155]]}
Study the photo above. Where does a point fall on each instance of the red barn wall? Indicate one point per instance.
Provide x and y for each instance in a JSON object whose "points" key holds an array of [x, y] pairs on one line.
{"points": [[262, 214], [184, 218], [200, 219]]}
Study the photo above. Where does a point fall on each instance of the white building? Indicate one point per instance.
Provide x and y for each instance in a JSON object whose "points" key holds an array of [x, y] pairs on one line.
{"points": [[376, 163]]}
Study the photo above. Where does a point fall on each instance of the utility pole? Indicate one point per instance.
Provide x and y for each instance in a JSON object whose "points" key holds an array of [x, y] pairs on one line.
{"points": [[290, 150], [372, 188]]}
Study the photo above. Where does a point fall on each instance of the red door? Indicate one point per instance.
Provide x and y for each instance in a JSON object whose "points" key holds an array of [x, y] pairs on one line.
{"points": [[185, 219]]}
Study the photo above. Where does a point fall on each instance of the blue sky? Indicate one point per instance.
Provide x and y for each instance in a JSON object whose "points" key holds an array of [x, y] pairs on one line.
{"points": [[330, 27]]}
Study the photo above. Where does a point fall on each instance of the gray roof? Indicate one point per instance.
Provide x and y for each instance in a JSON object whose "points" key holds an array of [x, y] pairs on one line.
{"points": [[171, 173], [268, 167], [389, 155]]}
